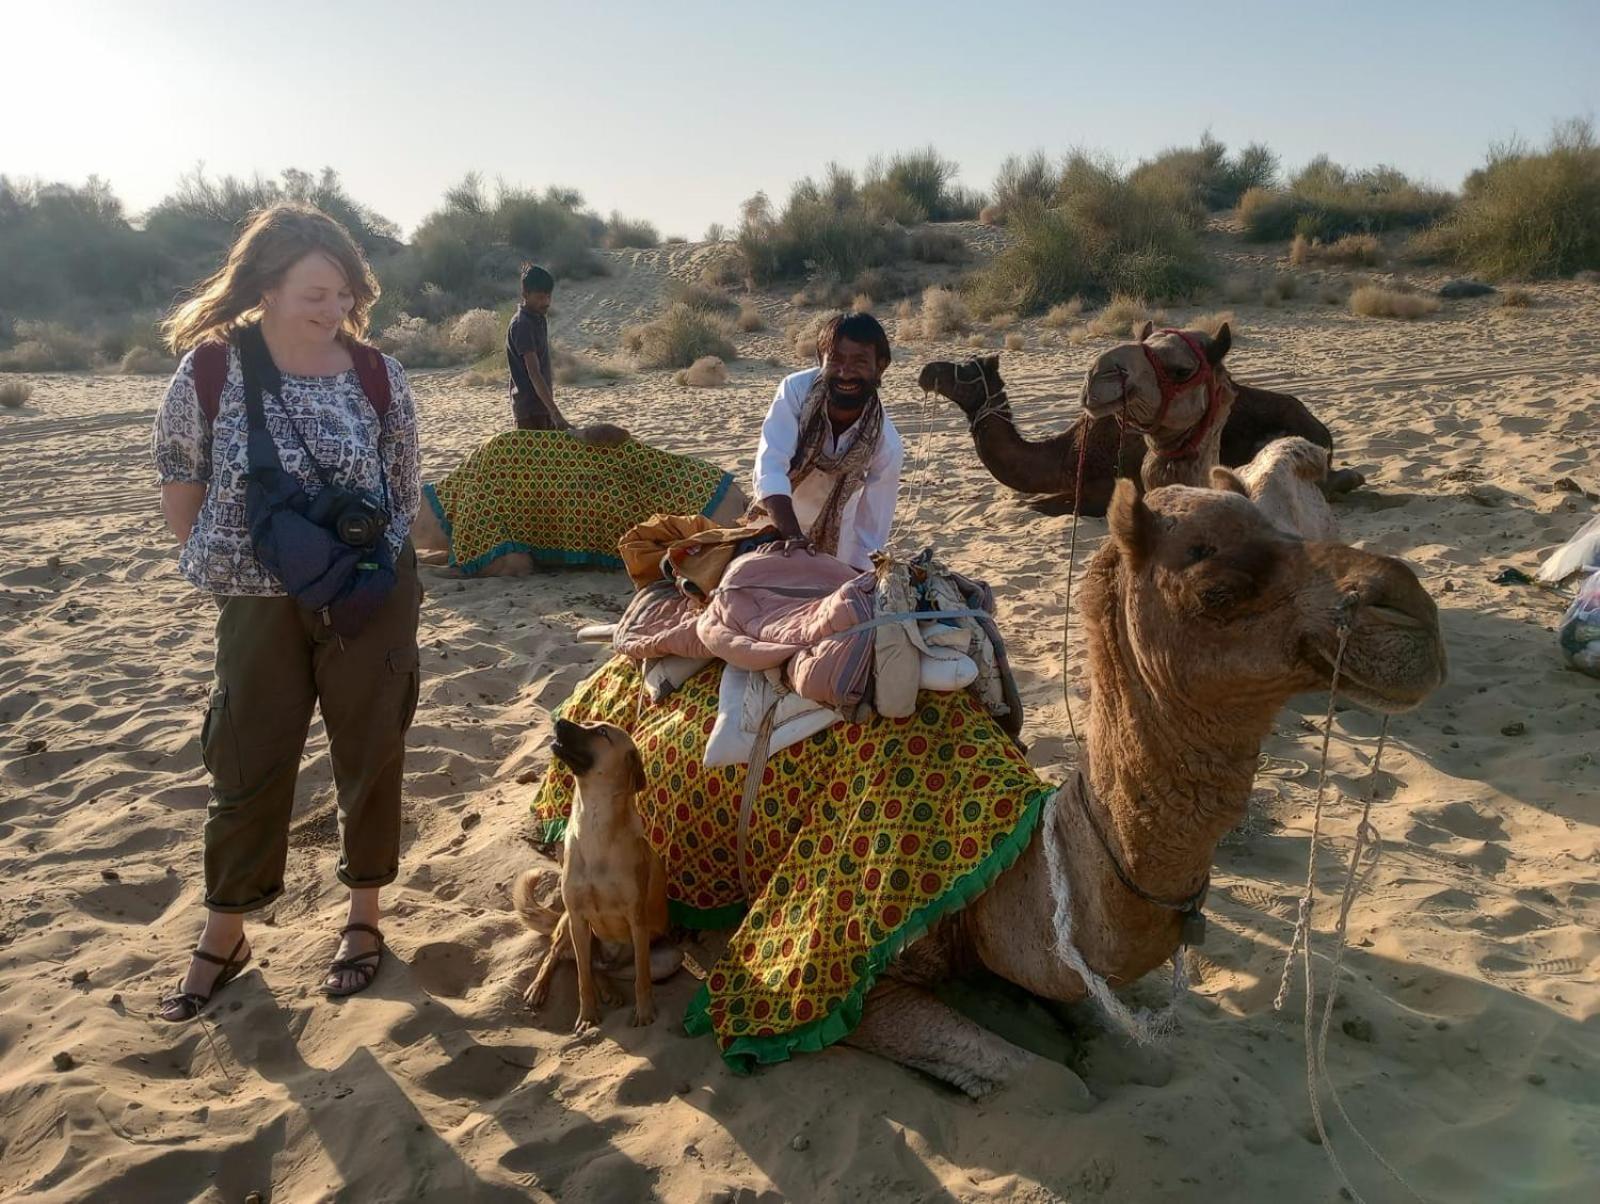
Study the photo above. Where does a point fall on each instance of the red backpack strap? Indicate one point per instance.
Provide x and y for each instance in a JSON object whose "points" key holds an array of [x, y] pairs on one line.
{"points": [[373, 373], [210, 366]]}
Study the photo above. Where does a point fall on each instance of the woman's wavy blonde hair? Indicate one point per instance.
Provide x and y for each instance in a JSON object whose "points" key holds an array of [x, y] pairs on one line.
{"points": [[273, 241]]}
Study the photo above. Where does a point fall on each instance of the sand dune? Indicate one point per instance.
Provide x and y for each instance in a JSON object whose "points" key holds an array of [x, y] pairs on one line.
{"points": [[1468, 1045]]}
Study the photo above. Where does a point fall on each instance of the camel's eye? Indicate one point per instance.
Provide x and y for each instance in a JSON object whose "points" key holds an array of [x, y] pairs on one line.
{"points": [[1201, 551]]}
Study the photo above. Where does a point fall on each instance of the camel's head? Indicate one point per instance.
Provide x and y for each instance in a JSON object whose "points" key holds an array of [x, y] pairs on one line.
{"points": [[1125, 379], [1224, 610], [969, 384]]}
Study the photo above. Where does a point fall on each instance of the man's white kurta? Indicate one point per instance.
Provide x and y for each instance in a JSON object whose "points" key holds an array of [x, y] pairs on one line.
{"points": [[868, 516]]}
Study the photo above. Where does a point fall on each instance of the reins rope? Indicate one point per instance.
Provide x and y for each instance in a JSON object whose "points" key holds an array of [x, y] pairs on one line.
{"points": [[1356, 879]]}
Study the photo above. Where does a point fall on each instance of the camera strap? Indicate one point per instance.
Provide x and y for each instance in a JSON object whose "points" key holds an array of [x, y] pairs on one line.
{"points": [[261, 376]]}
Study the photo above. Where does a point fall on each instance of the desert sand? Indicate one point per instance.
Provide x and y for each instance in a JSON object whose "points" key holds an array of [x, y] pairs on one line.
{"points": [[1467, 1044]]}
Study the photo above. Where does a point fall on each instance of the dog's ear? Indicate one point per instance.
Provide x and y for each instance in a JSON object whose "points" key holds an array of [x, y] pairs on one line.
{"points": [[636, 768]]}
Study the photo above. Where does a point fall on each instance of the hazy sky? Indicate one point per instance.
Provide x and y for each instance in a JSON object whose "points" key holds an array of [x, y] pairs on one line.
{"points": [[676, 110]]}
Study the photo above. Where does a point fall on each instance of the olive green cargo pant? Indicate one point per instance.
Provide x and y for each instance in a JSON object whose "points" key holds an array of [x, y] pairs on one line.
{"points": [[274, 664]]}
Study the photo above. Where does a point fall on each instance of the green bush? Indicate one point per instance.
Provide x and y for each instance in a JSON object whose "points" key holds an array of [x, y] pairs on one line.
{"points": [[1326, 201], [678, 338], [1023, 182], [622, 232], [70, 251], [918, 186], [1206, 178], [47, 347], [1529, 213], [1108, 233], [814, 236]]}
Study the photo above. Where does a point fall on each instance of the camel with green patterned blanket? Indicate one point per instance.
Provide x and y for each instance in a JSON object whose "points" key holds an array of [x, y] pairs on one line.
{"points": [[527, 498], [887, 857]]}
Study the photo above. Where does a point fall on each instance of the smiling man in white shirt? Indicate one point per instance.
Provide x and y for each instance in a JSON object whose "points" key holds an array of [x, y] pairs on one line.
{"points": [[827, 471]]}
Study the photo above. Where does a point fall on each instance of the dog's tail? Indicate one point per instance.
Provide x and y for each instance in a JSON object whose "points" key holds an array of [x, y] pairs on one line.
{"points": [[528, 895]]}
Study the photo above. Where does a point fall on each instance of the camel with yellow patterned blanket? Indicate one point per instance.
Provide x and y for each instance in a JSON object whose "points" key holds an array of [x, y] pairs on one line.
{"points": [[883, 858]]}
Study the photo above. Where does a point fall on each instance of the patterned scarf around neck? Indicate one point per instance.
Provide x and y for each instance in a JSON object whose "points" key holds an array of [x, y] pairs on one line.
{"points": [[850, 465]]}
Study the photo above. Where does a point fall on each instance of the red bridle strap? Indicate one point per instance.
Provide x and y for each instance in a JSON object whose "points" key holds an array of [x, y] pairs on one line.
{"points": [[1170, 389]]}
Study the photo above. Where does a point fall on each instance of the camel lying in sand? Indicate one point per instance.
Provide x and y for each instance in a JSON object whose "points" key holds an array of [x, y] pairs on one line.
{"points": [[1286, 481], [1046, 470], [1201, 619]]}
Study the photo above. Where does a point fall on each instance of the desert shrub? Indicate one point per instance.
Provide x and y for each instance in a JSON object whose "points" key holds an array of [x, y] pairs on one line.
{"points": [[472, 246], [1206, 178], [14, 394], [575, 368], [943, 313], [917, 186], [716, 232], [801, 337], [861, 303], [702, 297], [1121, 315], [977, 340], [1374, 301], [478, 332], [750, 319], [814, 237], [1353, 250], [707, 372], [723, 268], [936, 246], [622, 233], [1529, 213], [419, 343], [1015, 342], [1108, 234], [1064, 314], [678, 337], [1516, 298], [47, 347], [68, 251], [1213, 322], [1003, 321], [1326, 201], [1023, 182], [1285, 286], [144, 361]]}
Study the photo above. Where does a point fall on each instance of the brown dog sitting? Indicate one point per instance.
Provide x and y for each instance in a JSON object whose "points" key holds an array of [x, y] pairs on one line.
{"points": [[612, 882]]}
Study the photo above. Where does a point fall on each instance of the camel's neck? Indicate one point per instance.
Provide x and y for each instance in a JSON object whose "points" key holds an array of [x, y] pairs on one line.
{"points": [[1166, 780], [1014, 461]]}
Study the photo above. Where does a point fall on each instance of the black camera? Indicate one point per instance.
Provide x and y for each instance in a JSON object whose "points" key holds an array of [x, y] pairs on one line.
{"points": [[356, 517]]}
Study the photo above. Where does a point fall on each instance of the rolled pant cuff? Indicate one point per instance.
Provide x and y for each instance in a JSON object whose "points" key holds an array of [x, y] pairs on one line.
{"points": [[355, 883], [236, 909]]}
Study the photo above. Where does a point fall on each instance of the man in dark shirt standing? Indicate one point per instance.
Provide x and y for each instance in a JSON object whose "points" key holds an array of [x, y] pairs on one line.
{"points": [[533, 399]]}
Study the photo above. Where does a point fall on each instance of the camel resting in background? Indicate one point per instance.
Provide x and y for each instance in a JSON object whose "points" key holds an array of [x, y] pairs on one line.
{"points": [[1046, 470], [1286, 482]]}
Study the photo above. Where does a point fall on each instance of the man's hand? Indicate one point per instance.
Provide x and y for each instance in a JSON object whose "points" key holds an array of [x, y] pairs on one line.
{"points": [[781, 509]]}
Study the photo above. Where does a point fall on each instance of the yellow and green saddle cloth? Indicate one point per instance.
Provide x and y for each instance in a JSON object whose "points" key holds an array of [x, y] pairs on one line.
{"points": [[563, 501], [860, 839]]}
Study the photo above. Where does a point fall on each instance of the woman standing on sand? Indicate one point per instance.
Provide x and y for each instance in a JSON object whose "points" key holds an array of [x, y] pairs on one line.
{"points": [[295, 288]]}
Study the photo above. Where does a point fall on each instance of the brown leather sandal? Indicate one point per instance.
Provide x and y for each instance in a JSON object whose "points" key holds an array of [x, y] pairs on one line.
{"points": [[365, 965], [183, 1005]]}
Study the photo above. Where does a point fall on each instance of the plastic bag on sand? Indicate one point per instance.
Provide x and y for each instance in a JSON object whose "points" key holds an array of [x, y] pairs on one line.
{"points": [[1582, 551], [1579, 632]]}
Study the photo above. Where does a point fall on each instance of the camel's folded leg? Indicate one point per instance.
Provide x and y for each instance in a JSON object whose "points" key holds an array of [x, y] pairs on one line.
{"points": [[906, 1024]]}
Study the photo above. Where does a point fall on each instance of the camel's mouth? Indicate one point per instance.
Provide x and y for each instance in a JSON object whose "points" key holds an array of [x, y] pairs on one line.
{"points": [[1392, 662]]}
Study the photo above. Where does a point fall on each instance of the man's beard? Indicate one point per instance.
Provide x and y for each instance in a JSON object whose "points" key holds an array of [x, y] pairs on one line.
{"points": [[852, 402]]}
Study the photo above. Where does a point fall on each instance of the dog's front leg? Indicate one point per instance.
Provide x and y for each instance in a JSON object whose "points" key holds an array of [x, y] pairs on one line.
{"points": [[583, 952], [644, 999]]}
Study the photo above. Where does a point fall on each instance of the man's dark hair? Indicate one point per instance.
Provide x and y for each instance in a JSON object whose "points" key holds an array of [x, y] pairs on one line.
{"points": [[536, 279], [858, 328]]}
